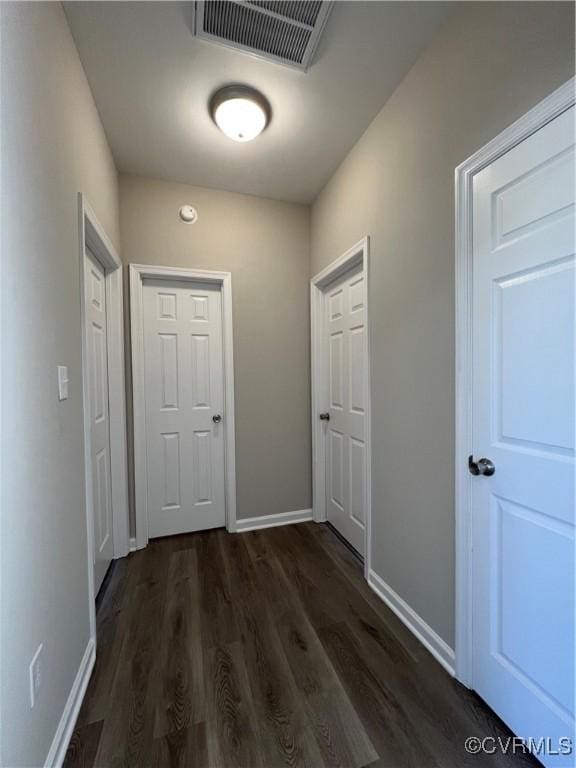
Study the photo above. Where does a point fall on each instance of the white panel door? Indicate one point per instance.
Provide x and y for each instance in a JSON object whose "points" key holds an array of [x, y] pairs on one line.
{"points": [[344, 356], [97, 368], [523, 421], [184, 406]]}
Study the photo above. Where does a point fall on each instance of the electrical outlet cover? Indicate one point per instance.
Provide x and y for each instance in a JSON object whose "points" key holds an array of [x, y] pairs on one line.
{"points": [[35, 673], [62, 382]]}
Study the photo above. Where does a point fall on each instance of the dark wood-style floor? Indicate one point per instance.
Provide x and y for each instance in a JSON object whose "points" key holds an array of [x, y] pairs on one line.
{"points": [[265, 649]]}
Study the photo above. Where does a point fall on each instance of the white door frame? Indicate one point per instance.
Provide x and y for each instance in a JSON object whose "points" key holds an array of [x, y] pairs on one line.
{"points": [[552, 106], [93, 237], [357, 255], [139, 273]]}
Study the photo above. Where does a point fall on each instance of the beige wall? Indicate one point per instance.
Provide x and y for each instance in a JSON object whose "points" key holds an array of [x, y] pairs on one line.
{"points": [[53, 147], [265, 245], [489, 64]]}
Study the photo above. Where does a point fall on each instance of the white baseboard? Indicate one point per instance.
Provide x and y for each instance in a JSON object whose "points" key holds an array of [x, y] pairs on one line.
{"points": [[67, 722], [271, 521], [132, 545], [415, 623]]}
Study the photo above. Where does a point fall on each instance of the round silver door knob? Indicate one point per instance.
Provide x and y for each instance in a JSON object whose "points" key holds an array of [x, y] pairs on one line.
{"points": [[481, 467], [217, 418], [324, 417], [486, 467]]}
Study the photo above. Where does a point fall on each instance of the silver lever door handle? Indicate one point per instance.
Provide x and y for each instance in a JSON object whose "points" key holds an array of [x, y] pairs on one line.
{"points": [[217, 418], [481, 467]]}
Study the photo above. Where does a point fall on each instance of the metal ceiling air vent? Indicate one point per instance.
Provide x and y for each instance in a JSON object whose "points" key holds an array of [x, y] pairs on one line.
{"points": [[283, 31]]}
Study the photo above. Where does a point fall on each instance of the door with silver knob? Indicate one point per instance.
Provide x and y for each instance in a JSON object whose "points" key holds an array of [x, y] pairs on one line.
{"points": [[523, 500], [184, 402], [96, 322], [345, 430]]}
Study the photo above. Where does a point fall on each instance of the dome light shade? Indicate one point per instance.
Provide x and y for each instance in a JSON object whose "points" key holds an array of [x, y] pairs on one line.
{"points": [[240, 112]]}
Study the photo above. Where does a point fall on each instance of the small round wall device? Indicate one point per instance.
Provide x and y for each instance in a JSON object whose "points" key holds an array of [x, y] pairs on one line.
{"points": [[189, 214]]}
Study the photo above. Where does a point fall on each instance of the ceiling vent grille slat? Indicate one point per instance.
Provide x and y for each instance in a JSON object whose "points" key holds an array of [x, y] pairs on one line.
{"points": [[283, 31], [304, 11]]}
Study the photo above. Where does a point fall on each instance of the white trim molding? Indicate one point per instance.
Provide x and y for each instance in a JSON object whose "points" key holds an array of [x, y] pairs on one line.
{"points": [[430, 639], [92, 237], [357, 255], [272, 521], [548, 109], [59, 746], [139, 273]]}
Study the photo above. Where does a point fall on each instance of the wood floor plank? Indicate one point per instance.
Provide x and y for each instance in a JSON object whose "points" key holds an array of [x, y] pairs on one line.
{"points": [[360, 607], [310, 666], [258, 544], [186, 748], [218, 616], [343, 740], [388, 724], [81, 752], [442, 727], [233, 732], [323, 606], [329, 597], [285, 734], [426, 686], [128, 729], [114, 616], [265, 650], [352, 570], [181, 696], [289, 542], [326, 703]]}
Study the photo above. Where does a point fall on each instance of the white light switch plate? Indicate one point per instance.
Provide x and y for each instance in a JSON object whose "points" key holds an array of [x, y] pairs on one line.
{"points": [[62, 382]]}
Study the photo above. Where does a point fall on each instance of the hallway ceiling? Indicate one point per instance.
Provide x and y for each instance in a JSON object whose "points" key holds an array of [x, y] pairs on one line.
{"points": [[151, 80]]}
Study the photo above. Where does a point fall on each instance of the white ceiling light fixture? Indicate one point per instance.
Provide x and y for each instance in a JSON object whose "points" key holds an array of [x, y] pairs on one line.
{"points": [[240, 112]]}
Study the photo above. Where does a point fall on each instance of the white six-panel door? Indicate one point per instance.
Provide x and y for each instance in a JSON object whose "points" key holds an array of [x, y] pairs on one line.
{"points": [[344, 362], [184, 400], [523, 421], [97, 369]]}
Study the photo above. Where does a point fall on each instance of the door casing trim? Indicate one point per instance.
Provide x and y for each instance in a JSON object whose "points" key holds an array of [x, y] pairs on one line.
{"points": [[93, 236], [139, 273], [358, 254], [549, 108]]}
